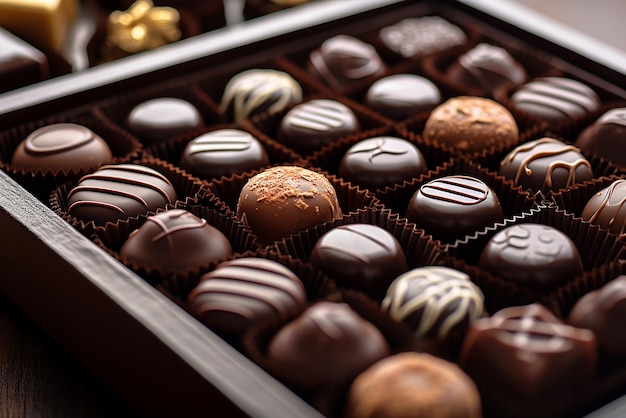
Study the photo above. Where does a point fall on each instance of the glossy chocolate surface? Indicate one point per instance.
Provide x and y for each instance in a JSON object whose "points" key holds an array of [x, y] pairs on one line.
{"points": [[555, 99], [342, 61], [223, 152], [471, 124], [545, 165], [243, 292], [607, 208], [327, 346], [606, 137], [21, 64], [434, 301], [400, 96], [381, 161], [61, 147], [451, 207], [415, 382], [533, 255], [360, 256], [309, 126], [175, 241], [117, 192], [284, 200]]}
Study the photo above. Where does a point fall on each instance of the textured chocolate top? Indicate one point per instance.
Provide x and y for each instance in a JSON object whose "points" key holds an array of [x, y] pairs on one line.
{"points": [[607, 208]]}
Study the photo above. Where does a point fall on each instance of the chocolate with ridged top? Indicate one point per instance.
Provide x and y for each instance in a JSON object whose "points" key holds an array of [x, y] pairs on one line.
{"points": [[313, 124], [223, 152], [243, 292], [555, 99], [606, 137], [117, 192], [400, 96], [607, 208], [175, 241]]}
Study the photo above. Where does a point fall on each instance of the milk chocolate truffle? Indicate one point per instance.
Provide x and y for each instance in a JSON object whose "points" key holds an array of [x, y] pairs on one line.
{"points": [[360, 256], [327, 346], [284, 200], [309, 126], [545, 165], [343, 61], [534, 255], [606, 137], [256, 91], [471, 124], [607, 208], [162, 118], [555, 99], [434, 301], [223, 152], [486, 68], [175, 241], [416, 37], [21, 64], [121, 191], [400, 96], [603, 311], [451, 207], [243, 292], [528, 354], [61, 147], [413, 385], [381, 161]]}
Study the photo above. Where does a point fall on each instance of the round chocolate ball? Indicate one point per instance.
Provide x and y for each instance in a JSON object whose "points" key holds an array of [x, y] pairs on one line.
{"points": [[223, 152], [532, 255], [175, 241], [61, 147], [471, 124], [378, 162], [545, 165], [606, 208], [284, 200], [451, 207], [606, 137], [400, 96]]}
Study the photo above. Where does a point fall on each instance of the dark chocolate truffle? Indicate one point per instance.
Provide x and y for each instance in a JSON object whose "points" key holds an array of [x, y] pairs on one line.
{"points": [[175, 241], [61, 147], [256, 91], [117, 192], [471, 124], [533, 255], [545, 165], [606, 137], [411, 385], [243, 292], [381, 161], [416, 37], [222, 153], [360, 256], [400, 96], [21, 64], [163, 118], [486, 68], [343, 61], [603, 311], [284, 200], [607, 208], [313, 124], [434, 301], [451, 207], [327, 346], [528, 354], [555, 99]]}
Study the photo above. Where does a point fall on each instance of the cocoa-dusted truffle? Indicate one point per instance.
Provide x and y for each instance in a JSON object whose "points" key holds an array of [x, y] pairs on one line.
{"points": [[327, 346], [175, 241], [545, 165], [243, 292], [434, 301], [409, 385], [534, 255], [607, 208], [471, 124], [61, 147], [284, 200], [606, 137], [400, 96]]}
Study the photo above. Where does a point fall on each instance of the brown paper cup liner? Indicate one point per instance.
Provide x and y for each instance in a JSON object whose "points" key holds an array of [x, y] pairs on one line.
{"points": [[576, 197]]}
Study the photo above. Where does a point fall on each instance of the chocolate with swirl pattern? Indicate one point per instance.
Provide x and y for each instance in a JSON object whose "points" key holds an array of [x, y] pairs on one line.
{"points": [[607, 208]]}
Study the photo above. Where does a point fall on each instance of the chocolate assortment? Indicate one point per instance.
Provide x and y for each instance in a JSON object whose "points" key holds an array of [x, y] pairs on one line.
{"points": [[415, 201]]}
